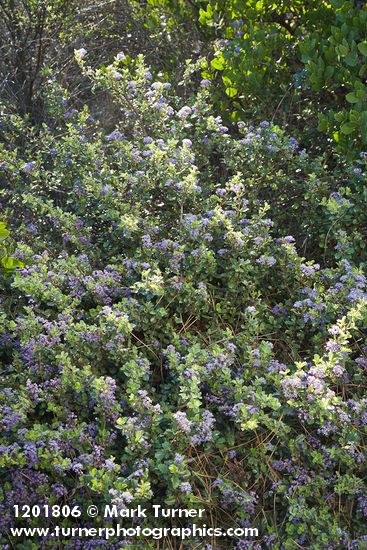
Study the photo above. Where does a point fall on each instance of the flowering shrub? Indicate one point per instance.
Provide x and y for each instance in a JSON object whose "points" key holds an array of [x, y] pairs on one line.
{"points": [[255, 59], [302, 64], [168, 340], [256, 51]]}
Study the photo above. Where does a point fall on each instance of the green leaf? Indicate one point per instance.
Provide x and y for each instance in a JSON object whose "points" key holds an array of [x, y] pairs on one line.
{"points": [[347, 128], [4, 233], [227, 81], [231, 92], [250, 424], [342, 50], [352, 98], [362, 46], [355, 117], [218, 63], [340, 116], [9, 264], [205, 17], [323, 124], [175, 480], [351, 59]]}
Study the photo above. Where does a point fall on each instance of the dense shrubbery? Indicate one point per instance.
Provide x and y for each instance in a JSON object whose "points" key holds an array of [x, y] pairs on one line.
{"points": [[256, 51], [7, 262], [188, 326], [336, 65], [302, 64], [38, 38]]}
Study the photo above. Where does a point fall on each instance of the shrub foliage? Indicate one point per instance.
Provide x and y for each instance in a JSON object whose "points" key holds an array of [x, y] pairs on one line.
{"points": [[188, 327]]}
